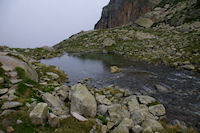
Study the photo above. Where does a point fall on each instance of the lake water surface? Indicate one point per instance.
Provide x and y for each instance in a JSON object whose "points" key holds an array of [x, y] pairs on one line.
{"points": [[182, 100]]}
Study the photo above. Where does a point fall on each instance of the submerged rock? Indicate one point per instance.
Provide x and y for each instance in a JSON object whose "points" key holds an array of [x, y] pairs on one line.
{"points": [[114, 69], [82, 101], [146, 99]]}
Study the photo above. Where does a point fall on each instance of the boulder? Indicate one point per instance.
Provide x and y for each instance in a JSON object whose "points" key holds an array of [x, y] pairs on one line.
{"points": [[132, 103], [10, 63], [82, 101], [55, 104], [114, 69], [137, 129], [10, 105], [124, 126], [153, 124], [101, 99], [53, 120], [144, 22], [62, 92], [38, 116], [146, 99], [157, 110], [137, 116], [102, 109], [78, 117]]}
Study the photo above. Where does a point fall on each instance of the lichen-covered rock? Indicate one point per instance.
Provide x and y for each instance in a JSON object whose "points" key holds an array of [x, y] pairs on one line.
{"points": [[38, 116], [137, 129], [144, 22], [132, 103], [82, 101], [101, 99], [146, 99]]}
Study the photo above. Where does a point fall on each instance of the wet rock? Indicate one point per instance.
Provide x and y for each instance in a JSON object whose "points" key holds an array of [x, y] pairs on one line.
{"points": [[137, 129], [146, 99], [78, 116], [157, 110], [108, 42], [39, 114], [82, 101], [153, 124], [53, 120], [114, 69], [144, 22], [3, 91], [55, 104], [10, 105], [1, 80]]}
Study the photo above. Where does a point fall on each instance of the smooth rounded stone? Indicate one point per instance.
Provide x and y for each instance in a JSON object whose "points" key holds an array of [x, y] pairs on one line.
{"points": [[153, 124], [10, 105], [157, 110], [161, 88], [78, 116], [39, 115], [146, 99], [53, 75], [57, 106], [3, 91], [53, 120], [147, 130], [114, 69], [102, 109], [82, 101], [137, 129], [101, 99], [10, 63], [1, 80]]}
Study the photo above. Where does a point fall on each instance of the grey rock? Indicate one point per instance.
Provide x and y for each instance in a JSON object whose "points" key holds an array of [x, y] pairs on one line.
{"points": [[19, 121], [7, 112], [101, 99], [153, 124], [39, 114], [53, 120], [78, 116], [53, 75], [55, 104], [157, 110], [62, 92], [108, 42], [1, 80], [161, 88], [132, 103], [146, 99], [137, 129], [178, 123], [137, 116], [82, 101], [142, 35], [102, 109], [10, 105], [144, 22], [147, 130]]}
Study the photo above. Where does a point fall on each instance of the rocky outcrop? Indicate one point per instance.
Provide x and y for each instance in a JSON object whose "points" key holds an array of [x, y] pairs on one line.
{"points": [[123, 12]]}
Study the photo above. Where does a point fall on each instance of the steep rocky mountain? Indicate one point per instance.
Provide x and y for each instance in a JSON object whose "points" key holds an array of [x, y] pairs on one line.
{"points": [[149, 13]]}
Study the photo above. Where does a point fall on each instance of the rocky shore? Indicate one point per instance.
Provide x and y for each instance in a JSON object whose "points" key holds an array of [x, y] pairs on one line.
{"points": [[35, 99]]}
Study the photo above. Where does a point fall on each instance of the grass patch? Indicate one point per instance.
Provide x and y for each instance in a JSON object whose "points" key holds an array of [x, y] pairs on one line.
{"points": [[20, 72], [103, 119]]}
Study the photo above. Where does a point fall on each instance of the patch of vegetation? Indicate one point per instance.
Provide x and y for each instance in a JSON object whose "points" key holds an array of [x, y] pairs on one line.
{"points": [[20, 72], [152, 104], [103, 119]]}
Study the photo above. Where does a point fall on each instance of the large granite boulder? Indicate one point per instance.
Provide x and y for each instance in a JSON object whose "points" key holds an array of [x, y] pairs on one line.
{"points": [[82, 101], [12, 63]]}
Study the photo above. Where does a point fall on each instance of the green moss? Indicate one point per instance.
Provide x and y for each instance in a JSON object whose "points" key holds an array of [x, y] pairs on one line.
{"points": [[152, 104], [103, 119]]}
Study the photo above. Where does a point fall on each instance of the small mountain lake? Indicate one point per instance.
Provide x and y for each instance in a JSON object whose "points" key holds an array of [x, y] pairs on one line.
{"points": [[182, 99]]}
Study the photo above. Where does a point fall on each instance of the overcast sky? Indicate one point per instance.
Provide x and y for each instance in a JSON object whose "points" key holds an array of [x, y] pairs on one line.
{"points": [[35, 23]]}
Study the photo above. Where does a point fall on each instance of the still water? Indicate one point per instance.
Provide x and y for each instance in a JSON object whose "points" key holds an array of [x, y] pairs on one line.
{"points": [[182, 99]]}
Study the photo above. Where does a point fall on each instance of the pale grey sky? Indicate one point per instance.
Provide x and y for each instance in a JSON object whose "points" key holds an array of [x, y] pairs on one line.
{"points": [[35, 23]]}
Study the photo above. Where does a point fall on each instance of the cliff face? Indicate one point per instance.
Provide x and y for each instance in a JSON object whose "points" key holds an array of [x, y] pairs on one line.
{"points": [[122, 12]]}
